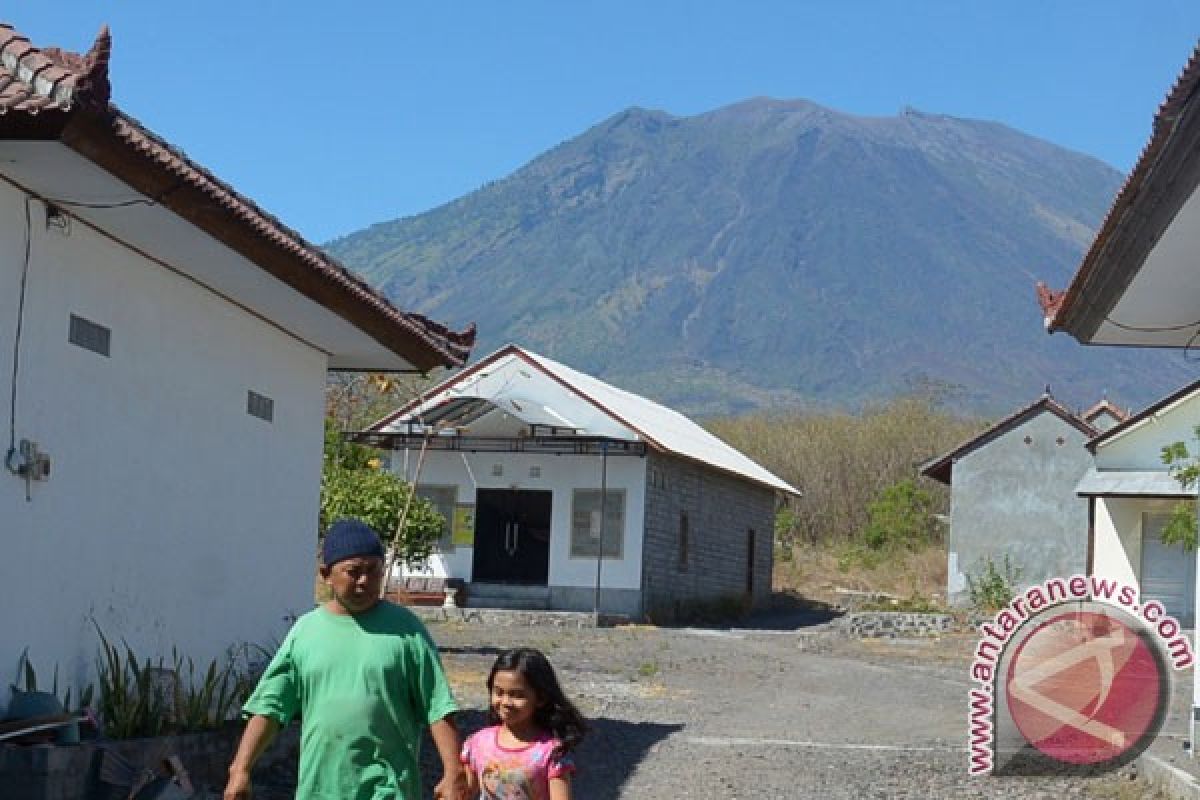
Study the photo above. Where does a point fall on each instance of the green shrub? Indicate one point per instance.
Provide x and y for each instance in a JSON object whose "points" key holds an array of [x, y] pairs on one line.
{"points": [[990, 588], [901, 516], [354, 485]]}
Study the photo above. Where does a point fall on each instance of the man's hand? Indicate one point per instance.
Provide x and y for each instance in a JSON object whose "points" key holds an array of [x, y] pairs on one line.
{"points": [[258, 734], [238, 787], [452, 786]]}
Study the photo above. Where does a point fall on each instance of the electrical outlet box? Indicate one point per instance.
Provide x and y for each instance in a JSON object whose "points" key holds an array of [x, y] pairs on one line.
{"points": [[34, 464]]}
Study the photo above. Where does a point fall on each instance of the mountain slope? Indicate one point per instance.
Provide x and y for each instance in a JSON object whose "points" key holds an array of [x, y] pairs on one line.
{"points": [[776, 252]]}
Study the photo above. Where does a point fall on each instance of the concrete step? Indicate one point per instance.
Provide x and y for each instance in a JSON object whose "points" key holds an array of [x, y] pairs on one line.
{"points": [[502, 595]]}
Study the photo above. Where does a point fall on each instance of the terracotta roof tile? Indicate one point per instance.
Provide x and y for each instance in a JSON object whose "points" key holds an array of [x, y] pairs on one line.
{"points": [[34, 81], [52, 79], [1169, 112]]}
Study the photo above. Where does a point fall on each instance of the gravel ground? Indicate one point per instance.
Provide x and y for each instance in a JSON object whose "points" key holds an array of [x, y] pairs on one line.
{"points": [[682, 713]]}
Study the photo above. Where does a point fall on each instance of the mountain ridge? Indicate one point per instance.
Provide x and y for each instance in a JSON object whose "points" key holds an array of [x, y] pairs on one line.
{"points": [[773, 253]]}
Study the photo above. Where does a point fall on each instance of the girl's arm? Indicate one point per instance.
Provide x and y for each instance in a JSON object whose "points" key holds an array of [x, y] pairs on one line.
{"points": [[560, 788]]}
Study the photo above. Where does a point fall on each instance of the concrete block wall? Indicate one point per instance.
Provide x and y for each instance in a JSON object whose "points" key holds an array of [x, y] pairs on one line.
{"points": [[722, 510]]}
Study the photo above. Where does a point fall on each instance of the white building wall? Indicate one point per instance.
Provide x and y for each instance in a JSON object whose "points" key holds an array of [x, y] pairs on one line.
{"points": [[1140, 447], [1117, 549], [171, 517], [561, 475]]}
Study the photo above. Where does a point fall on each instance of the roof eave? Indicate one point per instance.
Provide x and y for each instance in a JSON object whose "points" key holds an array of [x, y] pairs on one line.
{"points": [[1165, 176], [108, 140]]}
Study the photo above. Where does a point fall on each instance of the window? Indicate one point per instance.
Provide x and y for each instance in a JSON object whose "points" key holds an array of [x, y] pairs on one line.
{"points": [[585, 523], [89, 335], [443, 498], [683, 541], [750, 562], [259, 405]]}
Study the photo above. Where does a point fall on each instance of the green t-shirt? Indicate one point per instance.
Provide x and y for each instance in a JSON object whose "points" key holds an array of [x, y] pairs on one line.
{"points": [[365, 686]]}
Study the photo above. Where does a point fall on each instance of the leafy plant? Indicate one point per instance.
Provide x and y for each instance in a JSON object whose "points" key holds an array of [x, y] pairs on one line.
{"points": [[353, 484], [139, 698], [990, 588], [1181, 526], [205, 703], [1185, 468], [901, 516], [132, 700], [785, 533]]}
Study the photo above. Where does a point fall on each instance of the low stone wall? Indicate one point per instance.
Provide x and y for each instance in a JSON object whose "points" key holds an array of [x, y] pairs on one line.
{"points": [[518, 618], [870, 624], [72, 772]]}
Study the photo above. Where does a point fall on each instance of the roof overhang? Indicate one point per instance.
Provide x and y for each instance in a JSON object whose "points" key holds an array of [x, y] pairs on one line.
{"points": [[1137, 284], [64, 143], [1131, 483], [53, 171]]}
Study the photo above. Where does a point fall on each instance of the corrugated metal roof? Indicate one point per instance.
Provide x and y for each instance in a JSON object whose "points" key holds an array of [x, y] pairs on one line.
{"points": [[1130, 483], [660, 427]]}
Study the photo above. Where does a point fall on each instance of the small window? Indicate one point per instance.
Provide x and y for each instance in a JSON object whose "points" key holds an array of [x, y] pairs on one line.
{"points": [[684, 533], [443, 498], [750, 562], [90, 335], [259, 405], [585, 523]]}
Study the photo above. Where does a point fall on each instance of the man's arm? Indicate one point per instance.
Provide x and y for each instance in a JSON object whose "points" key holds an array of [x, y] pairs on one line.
{"points": [[453, 785], [259, 733]]}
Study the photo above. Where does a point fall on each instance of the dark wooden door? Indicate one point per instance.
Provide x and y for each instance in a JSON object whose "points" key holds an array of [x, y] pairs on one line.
{"points": [[512, 536]]}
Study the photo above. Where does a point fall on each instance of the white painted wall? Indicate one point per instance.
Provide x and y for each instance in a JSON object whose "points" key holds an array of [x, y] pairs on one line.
{"points": [[1118, 542], [171, 516], [560, 475], [1140, 447]]}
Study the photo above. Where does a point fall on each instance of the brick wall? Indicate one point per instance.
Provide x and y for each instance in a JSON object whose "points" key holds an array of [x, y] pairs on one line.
{"points": [[721, 510]]}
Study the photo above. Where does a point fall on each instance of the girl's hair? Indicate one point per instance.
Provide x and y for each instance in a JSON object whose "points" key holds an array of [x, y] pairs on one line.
{"points": [[554, 712]]}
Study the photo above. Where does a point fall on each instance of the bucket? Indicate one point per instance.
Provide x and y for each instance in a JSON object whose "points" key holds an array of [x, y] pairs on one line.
{"points": [[27, 705]]}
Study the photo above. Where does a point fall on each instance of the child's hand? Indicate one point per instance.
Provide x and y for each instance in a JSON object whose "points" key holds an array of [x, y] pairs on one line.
{"points": [[452, 786]]}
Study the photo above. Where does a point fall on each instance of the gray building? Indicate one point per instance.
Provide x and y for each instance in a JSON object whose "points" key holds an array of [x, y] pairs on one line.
{"points": [[1012, 495]]}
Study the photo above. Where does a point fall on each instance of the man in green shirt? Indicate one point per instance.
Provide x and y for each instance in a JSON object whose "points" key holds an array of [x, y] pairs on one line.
{"points": [[365, 677]]}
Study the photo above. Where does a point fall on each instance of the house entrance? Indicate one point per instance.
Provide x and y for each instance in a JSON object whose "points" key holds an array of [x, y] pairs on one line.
{"points": [[512, 536], [1168, 573]]}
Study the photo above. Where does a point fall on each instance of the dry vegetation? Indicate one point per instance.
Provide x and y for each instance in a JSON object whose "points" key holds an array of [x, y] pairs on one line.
{"points": [[843, 463]]}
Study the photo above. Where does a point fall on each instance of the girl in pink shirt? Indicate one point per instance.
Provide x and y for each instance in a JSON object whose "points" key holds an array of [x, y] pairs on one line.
{"points": [[525, 753]]}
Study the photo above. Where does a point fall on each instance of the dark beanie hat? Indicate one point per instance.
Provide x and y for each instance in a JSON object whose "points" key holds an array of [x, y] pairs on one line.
{"points": [[349, 538]]}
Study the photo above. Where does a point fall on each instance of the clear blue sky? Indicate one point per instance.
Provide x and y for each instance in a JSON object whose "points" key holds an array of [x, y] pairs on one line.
{"points": [[335, 116]]}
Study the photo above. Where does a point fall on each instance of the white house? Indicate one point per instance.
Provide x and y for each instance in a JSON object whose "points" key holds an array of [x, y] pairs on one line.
{"points": [[1138, 286], [164, 356], [516, 451], [1131, 495]]}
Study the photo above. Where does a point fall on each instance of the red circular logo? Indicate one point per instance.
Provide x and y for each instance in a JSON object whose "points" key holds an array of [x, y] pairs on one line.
{"points": [[1085, 687]]}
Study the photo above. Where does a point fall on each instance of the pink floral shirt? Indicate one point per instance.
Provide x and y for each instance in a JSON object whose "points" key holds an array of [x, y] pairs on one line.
{"points": [[521, 773]]}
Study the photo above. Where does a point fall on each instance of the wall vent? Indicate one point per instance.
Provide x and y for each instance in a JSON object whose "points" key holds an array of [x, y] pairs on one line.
{"points": [[259, 405], [89, 335]]}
